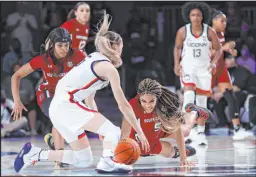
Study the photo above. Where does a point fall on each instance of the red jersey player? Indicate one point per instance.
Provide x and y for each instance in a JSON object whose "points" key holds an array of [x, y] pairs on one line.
{"points": [[57, 59], [78, 26], [222, 76], [157, 110]]}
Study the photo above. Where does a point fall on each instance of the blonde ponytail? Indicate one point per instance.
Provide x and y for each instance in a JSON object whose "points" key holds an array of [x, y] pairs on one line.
{"points": [[105, 39]]}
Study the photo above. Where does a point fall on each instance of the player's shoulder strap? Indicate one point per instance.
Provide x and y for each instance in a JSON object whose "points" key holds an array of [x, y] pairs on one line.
{"points": [[187, 30]]}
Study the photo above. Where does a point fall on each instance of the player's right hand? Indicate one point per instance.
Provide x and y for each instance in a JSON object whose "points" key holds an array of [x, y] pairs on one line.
{"points": [[17, 110], [144, 142], [187, 163], [177, 69]]}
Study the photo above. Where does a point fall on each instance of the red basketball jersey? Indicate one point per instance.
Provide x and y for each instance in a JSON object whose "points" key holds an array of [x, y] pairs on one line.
{"points": [[221, 62], [79, 33], [149, 122], [53, 73]]}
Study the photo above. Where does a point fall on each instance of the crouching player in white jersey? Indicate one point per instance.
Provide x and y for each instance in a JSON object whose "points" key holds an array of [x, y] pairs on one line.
{"points": [[192, 58], [71, 117]]}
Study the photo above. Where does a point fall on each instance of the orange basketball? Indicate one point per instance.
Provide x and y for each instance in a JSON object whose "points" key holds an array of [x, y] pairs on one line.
{"points": [[127, 151]]}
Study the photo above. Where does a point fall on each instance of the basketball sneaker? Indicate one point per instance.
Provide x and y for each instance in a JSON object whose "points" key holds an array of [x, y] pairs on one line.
{"points": [[190, 151], [198, 137], [28, 155], [201, 139], [242, 134], [48, 139], [202, 113], [108, 165], [192, 136]]}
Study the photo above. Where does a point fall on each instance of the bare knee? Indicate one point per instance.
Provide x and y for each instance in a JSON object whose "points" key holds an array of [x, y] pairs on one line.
{"points": [[167, 149], [186, 132]]}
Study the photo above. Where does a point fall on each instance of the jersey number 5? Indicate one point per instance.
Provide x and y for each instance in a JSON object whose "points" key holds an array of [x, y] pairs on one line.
{"points": [[196, 52], [157, 126]]}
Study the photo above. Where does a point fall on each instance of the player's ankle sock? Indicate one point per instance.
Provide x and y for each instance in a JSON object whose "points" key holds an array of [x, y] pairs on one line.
{"points": [[189, 97], [107, 153], [200, 128], [237, 127]]}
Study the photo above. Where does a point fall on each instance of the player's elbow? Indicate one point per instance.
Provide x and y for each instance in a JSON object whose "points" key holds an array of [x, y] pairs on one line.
{"points": [[123, 106], [16, 76]]}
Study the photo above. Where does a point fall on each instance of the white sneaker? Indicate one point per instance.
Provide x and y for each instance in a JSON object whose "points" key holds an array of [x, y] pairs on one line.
{"points": [[107, 165], [192, 136], [201, 139], [28, 155], [242, 134]]}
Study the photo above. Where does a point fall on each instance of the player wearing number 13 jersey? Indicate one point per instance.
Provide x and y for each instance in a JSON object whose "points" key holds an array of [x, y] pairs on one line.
{"points": [[192, 57], [195, 59], [78, 26]]}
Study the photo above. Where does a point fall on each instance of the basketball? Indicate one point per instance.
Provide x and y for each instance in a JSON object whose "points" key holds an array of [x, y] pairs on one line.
{"points": [[127, 151]]}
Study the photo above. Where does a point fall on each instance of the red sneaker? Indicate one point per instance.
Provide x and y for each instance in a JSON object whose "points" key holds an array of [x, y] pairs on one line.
{"points": [[202, 113]]}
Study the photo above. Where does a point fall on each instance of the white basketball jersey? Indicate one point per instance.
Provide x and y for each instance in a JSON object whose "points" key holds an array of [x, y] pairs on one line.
{"points": [[196, 50], [82, 81]]}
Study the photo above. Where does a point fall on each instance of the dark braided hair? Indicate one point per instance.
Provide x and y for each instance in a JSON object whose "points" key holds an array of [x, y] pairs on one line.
{"points": [[167, 107], [202, 6]]}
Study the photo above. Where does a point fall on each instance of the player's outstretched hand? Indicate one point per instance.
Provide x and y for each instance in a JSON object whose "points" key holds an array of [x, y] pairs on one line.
{"points": [[17, 110], [144, 142], [187, 163]]}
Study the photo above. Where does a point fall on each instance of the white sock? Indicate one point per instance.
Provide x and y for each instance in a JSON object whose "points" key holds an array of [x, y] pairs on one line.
{"points": [[189, 97], [201, 100], [44, 154], [107, 153], [200, 128]]}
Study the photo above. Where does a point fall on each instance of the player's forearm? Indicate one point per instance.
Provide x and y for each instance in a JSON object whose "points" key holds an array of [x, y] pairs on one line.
{"points": [[130, 117], [181, 143], [217, 56], [177, 55], [125, 129], [15, 81]]}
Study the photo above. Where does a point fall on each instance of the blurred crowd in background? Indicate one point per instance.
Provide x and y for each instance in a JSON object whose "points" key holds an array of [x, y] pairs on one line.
{"points": [[148, 30]]}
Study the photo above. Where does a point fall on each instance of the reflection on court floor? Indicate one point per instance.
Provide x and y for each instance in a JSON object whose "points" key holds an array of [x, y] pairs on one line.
{"points": [[222, 157]]}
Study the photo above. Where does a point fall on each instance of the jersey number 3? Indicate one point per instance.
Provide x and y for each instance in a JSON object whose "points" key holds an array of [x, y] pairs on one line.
{"points": [[196, 53]]}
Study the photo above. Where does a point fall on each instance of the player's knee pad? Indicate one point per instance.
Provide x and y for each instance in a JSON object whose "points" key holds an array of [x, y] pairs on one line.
{"points": [[232, 105], [201, 100], [83, 157], [110, 132], [189, 97]]}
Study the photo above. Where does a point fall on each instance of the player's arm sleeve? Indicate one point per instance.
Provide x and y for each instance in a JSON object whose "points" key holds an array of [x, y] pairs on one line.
{"points": [[36, 63], [67, 26]]}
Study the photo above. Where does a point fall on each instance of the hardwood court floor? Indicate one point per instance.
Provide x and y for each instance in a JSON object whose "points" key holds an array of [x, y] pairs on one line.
{"points": [[222, 157]]}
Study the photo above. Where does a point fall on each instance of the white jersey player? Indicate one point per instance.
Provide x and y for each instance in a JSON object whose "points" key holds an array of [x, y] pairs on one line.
{"points": [[71, 117], [195, 60], [192, 58]]}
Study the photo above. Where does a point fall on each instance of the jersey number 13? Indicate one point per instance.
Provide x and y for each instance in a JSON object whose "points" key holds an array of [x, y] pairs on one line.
{"points": [[196, 53]]}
